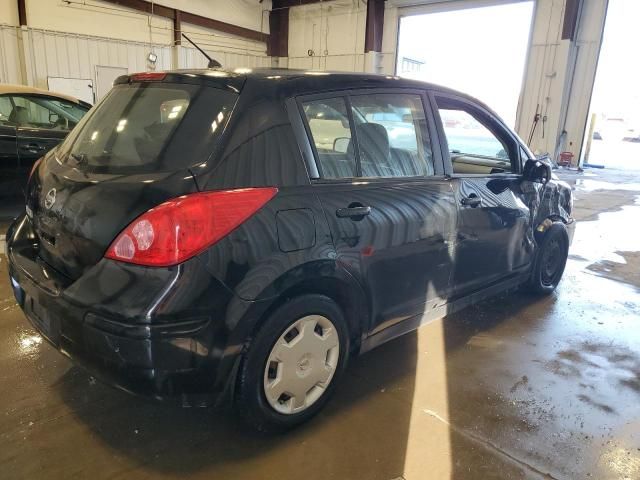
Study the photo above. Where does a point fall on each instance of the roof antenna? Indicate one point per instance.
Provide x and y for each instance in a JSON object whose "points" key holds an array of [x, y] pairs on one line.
{"points": [[212, 63]]}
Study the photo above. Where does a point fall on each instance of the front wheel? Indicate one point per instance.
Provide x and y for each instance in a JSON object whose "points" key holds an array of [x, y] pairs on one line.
{"points": [[291, 366], [551, 260]]}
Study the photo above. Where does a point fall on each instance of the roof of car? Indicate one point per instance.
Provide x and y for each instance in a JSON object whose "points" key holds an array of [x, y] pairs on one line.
{"points": [[301, 81], [6, 88], [275, 73], [286, 82]]}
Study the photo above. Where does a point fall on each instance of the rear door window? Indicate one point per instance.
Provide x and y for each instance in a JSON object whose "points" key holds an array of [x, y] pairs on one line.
{"points": [[392, 135], [329, 124], [149, 127], [390, 131]]}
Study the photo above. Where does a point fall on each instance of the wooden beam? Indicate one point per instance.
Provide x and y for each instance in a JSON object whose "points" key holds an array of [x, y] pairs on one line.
{"points": [[192, 18], [374, 26], [570, 22], [277, 4], [22, 13], [145, 7], [177, 28], [205, 22], [278, 45]]}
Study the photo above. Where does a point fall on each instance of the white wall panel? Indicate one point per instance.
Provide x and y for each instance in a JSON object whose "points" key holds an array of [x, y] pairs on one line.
{"points": [[97, 18], [559, 77], [545, 76], [93, 17], [68, 39], [9, 57], [334, 31], [70, 55], [230, 51], [589, 40], [75, 56], [9, 12], [251, 14], [191, 58], [213, 39]]}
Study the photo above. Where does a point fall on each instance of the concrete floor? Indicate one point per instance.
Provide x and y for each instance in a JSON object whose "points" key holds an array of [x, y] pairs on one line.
{"points": [[517, 387]]}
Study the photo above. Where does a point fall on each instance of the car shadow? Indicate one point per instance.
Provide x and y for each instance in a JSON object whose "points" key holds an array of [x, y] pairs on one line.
{"points": [[364, 432], [352, 436]]}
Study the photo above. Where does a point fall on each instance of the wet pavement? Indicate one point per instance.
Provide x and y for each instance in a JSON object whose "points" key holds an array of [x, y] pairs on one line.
{"points": [[516, 387]]}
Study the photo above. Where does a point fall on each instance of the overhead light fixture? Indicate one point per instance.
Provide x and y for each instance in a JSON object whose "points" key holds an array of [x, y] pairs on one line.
{"points": [[152, 58]]}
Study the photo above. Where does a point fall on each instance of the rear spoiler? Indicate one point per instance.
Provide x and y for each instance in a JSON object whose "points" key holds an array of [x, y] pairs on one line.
{"points": [[214, 77]]}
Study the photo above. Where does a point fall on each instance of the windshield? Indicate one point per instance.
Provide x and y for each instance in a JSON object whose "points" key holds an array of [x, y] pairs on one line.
{"points": [[149, 127]]}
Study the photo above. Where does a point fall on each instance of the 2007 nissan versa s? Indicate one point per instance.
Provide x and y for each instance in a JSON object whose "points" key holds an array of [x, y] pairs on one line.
{"points": [[209, 232]]}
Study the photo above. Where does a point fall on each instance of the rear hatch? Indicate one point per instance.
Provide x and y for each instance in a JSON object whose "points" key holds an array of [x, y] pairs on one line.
{"points": [[133, 151]]}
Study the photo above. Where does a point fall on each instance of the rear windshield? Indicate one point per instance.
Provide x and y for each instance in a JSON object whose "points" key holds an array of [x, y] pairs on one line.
{"points": [[149, 127]]}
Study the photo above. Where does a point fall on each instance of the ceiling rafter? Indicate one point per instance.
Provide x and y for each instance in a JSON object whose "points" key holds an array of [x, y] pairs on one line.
{"points": [[191, 18]]}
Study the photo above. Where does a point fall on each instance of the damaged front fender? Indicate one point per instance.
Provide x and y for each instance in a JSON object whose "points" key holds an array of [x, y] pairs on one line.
{"points": [[548, 203]]}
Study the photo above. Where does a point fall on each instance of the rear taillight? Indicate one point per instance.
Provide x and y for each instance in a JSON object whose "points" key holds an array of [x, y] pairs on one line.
{"points": [[180, 228]]}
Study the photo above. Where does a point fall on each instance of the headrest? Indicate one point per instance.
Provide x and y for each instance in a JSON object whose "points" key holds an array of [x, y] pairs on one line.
{"points": [[373, 141], [19, 115]]}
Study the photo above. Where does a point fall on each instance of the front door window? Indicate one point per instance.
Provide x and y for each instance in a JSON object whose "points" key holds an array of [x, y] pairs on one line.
{"points": [[477, 145]]}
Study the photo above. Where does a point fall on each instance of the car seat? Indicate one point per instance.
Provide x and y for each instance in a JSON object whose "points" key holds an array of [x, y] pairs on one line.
{"points": [[19, 115]]}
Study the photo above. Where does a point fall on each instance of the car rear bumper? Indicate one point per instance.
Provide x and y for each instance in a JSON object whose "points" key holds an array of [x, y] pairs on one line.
{"points": [[164, 336], [158, 367]]}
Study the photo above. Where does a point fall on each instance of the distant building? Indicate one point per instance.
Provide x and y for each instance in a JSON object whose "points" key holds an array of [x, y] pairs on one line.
{"points": [[410, 65]]}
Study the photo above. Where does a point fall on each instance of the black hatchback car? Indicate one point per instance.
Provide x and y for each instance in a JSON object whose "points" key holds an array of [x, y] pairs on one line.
{"points": [[208, 232]]}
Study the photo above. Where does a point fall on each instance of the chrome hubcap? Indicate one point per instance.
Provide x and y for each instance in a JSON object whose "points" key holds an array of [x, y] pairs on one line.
{"points": [[301, 364]]}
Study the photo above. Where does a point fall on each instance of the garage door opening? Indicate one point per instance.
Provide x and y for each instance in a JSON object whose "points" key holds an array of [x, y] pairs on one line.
{"points": [[480, 51], [614, 120]]}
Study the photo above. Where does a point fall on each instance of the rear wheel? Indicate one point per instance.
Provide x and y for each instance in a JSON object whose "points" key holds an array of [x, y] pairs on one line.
{"points": [[292, 364], [551, 260]]}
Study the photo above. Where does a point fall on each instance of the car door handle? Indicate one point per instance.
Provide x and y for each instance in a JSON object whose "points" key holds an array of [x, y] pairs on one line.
{"points": [[471, 201], [32, 147], [353, 212]]}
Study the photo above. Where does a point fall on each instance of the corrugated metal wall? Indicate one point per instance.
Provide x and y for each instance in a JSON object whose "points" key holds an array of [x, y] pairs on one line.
{"points": [[327, 36], [9, 59], [578, 97], [59, 54], [559, 77], [76, 56], [191, 58]]}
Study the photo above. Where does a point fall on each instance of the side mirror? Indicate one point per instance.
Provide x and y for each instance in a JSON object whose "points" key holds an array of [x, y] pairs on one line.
{"points": [[341, 144], [537, 170]]}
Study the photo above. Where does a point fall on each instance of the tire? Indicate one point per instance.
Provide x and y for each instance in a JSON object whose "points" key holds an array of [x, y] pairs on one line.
{"points": [[550, 261], [285, 358]]}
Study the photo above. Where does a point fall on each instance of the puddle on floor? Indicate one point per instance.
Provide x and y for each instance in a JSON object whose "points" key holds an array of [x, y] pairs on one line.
{"points": [[590, 185], [608, 250]]}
